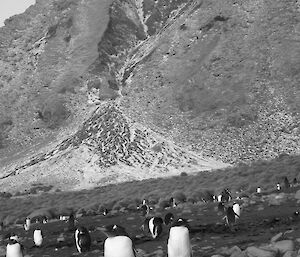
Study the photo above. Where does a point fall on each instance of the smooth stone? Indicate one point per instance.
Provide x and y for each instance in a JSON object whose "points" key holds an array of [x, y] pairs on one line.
{"points": [[297, 195], [290, 254], [276, 237], [253, 251], [284, 246]]}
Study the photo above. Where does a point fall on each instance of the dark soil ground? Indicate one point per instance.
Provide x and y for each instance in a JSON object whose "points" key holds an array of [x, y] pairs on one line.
{"points": [[260, 221]]}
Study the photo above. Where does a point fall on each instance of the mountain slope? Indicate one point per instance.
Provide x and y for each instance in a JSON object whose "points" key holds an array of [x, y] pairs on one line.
{"points": [[118, 90]]}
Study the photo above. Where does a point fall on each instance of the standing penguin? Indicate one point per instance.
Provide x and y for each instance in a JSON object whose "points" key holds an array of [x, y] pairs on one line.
{"points": [[230, 217], [258, 190], [82, 239], [237, 210], [71, 222], [38, 237], [179, 240], [153, 226], [286, 182], [295, 182], [221, 207], [172, 202], [278, 187], [14, 248], [27, 224], [117, 243], [144, 208]]}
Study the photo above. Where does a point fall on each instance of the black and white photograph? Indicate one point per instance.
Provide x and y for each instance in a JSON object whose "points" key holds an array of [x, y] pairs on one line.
{"points": [[150, 128]]}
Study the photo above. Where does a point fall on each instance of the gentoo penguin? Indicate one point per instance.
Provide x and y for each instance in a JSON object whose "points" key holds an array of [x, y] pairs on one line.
{"points": [[179, 240], [27, 224], [82, 239], [226, 195], [38, 237], [117, 243], [105, 212], [231, 216], [169, 217], [71, 222], [172, 202], [237, 210], [144, 208], [220, 198], [153, 226], [295, 182], [278, 187], [258, 190], [14, 248], [221, 207], [286, 182]]}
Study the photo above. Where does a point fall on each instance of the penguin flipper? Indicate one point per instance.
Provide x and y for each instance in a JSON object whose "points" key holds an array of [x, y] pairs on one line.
{"points": [[237, 215]]}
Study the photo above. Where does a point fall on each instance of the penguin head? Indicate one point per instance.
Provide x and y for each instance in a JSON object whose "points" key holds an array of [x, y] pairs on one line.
{"points": [[114, 230], [169, 218], [180, 222], [82, 230], [12, 238]]}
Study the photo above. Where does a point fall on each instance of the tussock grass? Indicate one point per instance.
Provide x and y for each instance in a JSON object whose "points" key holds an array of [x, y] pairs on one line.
{"points": [[242, 178]]}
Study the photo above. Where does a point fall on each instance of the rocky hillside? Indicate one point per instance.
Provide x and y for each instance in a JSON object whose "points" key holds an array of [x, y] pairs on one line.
{"points": [[149, 88]]}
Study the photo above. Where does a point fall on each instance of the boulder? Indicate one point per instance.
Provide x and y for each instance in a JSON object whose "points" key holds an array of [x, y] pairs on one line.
{"points": [[284, 245], [253, 251], [290, 254], [297, 195]]}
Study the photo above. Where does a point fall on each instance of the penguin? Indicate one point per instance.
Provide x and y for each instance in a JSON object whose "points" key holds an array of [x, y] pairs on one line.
{"points": [[219, 198], [14, 248], [105, 212], [117, 243], [295, 182], [144, 209], [27, 224], [153, 226], [179, 244], [169, 218], [278, 187], [258, 190], [237, 210], [172, 202], [226, 195], [286, 183], [231, 216], [38, 237], [221, 207], [45, 220], [82, 239], [71, 222]]}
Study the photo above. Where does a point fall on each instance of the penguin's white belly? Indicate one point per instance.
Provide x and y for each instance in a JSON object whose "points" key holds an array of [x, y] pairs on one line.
{"points": [[237, 210], [119, 246], [151, 227], [37, 237], [179, 242], [14, 250]]}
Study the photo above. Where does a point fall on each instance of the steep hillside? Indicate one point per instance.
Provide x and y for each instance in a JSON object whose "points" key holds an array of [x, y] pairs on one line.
{"points": [[222, 80], [94, 92]]}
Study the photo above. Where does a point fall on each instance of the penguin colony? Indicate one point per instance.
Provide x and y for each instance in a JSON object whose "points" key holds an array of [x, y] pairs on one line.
{"points": [[119, 244]]}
